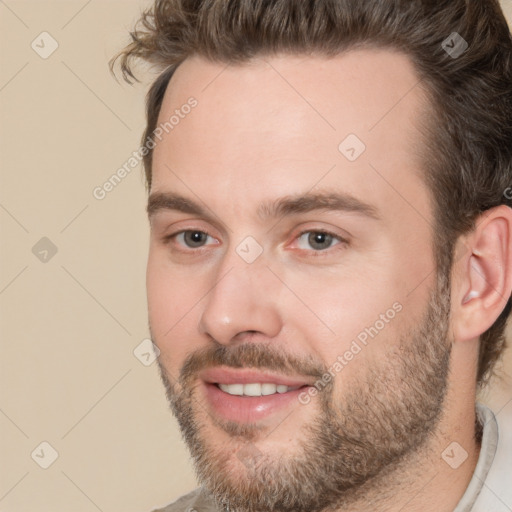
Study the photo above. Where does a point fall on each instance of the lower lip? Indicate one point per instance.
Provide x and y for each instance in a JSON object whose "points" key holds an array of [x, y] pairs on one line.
{"points": [[248, 409]]}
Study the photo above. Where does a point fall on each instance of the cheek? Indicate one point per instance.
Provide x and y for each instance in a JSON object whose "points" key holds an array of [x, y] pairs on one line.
{"points": [[162, 303], [173, 302], [354, 317], [337, 306]]}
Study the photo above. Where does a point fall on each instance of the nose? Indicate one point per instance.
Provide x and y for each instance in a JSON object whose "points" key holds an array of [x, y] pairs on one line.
{"points": [[242, 300]]}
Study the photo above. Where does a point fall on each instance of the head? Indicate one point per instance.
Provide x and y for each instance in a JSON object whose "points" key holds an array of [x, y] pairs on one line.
{"points": [[329, 211]]}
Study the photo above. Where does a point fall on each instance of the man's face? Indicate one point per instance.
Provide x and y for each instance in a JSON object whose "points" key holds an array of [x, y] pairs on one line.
{"points": [[283, 252]]}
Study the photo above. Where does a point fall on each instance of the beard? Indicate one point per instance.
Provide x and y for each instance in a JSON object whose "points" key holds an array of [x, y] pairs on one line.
{"points": [[354, 445]]}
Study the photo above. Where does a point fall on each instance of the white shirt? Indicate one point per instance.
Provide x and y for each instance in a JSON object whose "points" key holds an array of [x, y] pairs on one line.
{"points": [[490, 488]]}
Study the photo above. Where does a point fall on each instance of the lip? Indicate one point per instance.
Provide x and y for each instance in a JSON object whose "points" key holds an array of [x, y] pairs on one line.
{"points": [[248, 409], [221, 375]]}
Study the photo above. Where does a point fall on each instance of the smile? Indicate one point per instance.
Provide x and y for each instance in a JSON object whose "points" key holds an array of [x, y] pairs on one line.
{"points": [[255, 388], [247, 395]]}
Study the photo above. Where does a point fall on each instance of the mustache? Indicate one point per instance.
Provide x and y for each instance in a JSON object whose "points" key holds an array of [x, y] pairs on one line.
{"points": [[249, 355]]}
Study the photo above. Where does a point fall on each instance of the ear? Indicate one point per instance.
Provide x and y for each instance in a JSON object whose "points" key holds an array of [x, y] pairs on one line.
{"points": [[482, 281]]}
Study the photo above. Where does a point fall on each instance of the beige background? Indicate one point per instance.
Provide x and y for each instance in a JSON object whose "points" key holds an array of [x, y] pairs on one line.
{"points": [[70, 324]]}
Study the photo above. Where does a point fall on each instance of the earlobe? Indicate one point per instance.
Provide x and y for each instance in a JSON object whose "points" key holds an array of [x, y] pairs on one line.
{"points": [[486, 274]]}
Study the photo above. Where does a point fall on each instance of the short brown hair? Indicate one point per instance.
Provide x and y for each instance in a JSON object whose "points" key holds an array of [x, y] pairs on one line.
{"points": [[468, 144]]}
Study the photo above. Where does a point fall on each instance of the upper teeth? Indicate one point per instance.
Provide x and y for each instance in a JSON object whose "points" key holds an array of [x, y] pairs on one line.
{"points": [[255, 389]]}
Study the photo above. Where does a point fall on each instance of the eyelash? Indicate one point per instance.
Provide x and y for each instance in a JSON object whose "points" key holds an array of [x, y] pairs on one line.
{"points": [[342, 241], [169, 238]]}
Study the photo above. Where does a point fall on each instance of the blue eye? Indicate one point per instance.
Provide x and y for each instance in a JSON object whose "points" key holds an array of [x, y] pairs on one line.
{"points": [[317, 240]]}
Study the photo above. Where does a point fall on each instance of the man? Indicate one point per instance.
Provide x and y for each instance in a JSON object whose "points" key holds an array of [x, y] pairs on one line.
{"points": [[330, 264]]}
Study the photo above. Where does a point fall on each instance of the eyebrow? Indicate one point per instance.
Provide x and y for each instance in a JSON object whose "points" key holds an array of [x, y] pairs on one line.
{"points": [[285, 206]]}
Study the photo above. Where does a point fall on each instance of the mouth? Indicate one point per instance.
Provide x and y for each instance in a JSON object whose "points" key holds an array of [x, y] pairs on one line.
{"points": [[249, 396], [256, 388]]}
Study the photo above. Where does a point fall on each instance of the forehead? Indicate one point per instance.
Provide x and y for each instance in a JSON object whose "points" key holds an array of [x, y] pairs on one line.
{"points": [[277, 125]]}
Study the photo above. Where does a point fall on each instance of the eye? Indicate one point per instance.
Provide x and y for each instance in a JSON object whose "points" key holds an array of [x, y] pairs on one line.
{"points": [[192, 238], [317, 240]]}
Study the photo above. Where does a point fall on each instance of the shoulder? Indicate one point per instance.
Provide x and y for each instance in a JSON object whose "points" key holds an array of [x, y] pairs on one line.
{"points": [[195, 501]]}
